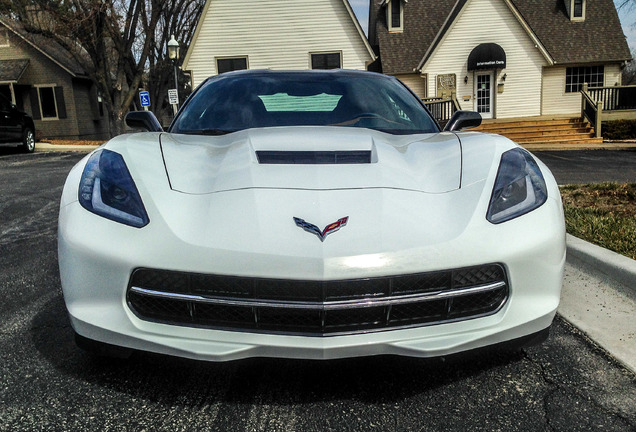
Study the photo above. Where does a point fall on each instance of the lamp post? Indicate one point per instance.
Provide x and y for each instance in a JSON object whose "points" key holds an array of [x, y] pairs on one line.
{"points": [[173, 54]]}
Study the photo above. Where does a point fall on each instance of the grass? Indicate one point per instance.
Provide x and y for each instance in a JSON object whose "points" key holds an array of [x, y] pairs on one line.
{"points": [[603, 214]]}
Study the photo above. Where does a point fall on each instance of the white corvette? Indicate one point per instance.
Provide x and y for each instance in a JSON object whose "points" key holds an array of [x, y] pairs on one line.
{"points": [[309, 215]]}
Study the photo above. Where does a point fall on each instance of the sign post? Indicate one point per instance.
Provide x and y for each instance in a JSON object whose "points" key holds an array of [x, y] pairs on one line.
{"points": [[173, 98], [144, 98]]}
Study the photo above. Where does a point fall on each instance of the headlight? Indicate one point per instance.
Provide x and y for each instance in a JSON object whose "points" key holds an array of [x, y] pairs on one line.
{"points": [[519, 187], [108, 190]]}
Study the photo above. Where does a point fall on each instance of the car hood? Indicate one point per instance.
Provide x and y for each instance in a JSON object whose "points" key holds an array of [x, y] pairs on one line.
{"points": [[208, 164]]}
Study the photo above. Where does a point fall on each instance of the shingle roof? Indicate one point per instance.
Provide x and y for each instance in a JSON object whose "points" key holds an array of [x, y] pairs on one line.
{"points": [[46, 46], [402, 52], [12, 70], [598, 39]]}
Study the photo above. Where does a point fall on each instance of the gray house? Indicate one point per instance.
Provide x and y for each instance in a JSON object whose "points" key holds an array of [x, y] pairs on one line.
{"points": [[42, 78]]}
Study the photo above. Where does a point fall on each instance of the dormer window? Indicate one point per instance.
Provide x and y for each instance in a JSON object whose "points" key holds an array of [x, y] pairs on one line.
{"points": [[577, 10], [395, 15]]}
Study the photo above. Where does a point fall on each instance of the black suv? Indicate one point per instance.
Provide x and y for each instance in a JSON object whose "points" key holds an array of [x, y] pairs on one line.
{"points": [[16, 127]]}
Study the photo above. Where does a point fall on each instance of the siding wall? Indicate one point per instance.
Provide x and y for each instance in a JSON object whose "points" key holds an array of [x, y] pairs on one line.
{"points": [[274, 34], [90, 124], [556, 101], [484, 21], [415, 82]]}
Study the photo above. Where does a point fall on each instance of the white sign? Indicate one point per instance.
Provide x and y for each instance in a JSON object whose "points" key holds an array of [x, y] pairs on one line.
{"points": [[173, 96]]}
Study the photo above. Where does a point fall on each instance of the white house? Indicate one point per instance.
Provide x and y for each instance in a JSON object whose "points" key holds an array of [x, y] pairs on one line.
{"points": [[274, 34], [502, 58]]}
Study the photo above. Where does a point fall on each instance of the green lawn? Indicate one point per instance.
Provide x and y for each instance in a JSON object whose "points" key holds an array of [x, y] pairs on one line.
{"points": [[603, 214]]}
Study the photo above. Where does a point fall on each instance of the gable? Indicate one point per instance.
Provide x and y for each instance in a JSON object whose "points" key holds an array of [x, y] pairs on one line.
{"points": [[466, 31], [276, 35]]}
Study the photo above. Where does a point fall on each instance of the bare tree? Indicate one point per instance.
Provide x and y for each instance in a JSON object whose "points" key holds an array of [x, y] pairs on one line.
{"points": [[117, 42], [629, 72], [179, 18]]}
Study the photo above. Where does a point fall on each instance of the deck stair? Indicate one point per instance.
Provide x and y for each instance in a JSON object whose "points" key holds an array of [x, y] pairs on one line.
{"points": [[542, 130]]}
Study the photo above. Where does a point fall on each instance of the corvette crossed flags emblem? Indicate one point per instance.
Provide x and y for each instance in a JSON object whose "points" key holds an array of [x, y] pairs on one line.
{"points": [[332, 227]]}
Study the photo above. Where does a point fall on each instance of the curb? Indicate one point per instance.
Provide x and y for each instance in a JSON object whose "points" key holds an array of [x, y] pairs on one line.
{"points": [[606, 263]]}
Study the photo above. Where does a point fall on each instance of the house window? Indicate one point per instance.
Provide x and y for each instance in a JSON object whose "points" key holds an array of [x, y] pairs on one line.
{"points": [[578, 10], [395, 15], [326, 61], [48, 105], [230, 64], [576, 76]]}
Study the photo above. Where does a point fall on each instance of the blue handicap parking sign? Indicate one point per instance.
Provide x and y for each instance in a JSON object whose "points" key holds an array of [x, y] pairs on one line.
{"points": [[144, 97]]}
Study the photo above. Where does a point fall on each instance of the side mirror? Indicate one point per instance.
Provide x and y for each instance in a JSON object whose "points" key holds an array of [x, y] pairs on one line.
{"points": [[143, 120], [463, 120]]}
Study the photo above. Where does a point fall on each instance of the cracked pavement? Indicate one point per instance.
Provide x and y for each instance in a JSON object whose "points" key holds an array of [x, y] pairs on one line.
{"points": [[46, 383]]}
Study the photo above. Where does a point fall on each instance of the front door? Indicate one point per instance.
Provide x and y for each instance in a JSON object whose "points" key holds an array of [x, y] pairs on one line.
{"points": [[484, 95]]}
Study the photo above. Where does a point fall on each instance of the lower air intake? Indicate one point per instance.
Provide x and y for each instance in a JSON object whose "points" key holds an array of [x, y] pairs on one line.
{"points": [[317, 308]]}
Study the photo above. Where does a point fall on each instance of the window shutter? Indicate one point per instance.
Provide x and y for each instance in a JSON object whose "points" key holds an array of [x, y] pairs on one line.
{"points": [[61, 106], [35, 104]]}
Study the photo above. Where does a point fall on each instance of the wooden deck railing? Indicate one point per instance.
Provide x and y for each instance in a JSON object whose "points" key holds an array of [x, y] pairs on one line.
{"points": [[442, 108], [592, 111], [614, 98], [607, 103]]}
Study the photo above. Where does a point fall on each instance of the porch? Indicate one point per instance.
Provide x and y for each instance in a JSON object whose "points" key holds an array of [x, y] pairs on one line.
{"points": [[598, 104]]}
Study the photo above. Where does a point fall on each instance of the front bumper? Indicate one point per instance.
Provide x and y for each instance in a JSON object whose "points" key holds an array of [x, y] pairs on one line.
{"points": [[97, 258]]}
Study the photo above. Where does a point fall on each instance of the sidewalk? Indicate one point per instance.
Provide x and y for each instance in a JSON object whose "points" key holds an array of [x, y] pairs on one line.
{"points": [[46, 147], [599, 298]]}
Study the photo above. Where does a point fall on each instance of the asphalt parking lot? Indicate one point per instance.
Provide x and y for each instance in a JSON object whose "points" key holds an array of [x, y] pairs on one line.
{"points": [[590, 166], [46, 383]]}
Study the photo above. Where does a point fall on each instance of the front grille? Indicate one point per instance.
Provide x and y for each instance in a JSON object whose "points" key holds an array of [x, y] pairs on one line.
{"points": [[317, 307]]}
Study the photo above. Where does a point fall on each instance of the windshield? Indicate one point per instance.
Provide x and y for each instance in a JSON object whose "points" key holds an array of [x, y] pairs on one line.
{"points": [[237, 101]]}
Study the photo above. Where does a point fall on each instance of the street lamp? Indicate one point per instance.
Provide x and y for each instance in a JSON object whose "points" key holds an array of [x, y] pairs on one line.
{"points": [[173, 54]]}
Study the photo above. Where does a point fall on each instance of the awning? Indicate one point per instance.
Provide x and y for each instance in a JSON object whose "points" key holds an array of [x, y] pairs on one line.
{"points": [[487, 56], [12, 70]]}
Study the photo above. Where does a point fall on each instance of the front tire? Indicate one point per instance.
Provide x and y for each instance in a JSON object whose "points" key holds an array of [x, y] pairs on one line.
{"points": [[28, 141]]}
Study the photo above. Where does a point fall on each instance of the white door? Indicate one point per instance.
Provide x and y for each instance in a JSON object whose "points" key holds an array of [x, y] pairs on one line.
{"points": [[484, 95]]}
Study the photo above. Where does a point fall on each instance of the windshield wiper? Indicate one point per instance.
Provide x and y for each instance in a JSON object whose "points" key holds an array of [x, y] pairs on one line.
{"points": [[207, 132]]}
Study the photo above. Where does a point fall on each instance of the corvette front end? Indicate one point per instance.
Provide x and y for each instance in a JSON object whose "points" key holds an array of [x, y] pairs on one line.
{"points": [[394, 255]]}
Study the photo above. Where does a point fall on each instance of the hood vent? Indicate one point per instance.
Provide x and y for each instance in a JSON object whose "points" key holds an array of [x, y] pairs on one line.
{"points": [[314, 157]]}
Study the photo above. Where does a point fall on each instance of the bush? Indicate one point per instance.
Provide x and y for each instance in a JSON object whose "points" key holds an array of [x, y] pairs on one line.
{"points": [[619, 129]]}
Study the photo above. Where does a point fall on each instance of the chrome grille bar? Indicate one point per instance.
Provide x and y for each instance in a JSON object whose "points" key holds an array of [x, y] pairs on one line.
{"points": [[324, 306]]}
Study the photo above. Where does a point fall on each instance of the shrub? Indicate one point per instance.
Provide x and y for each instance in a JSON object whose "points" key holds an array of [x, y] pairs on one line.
{"points": [[619, 129]]}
